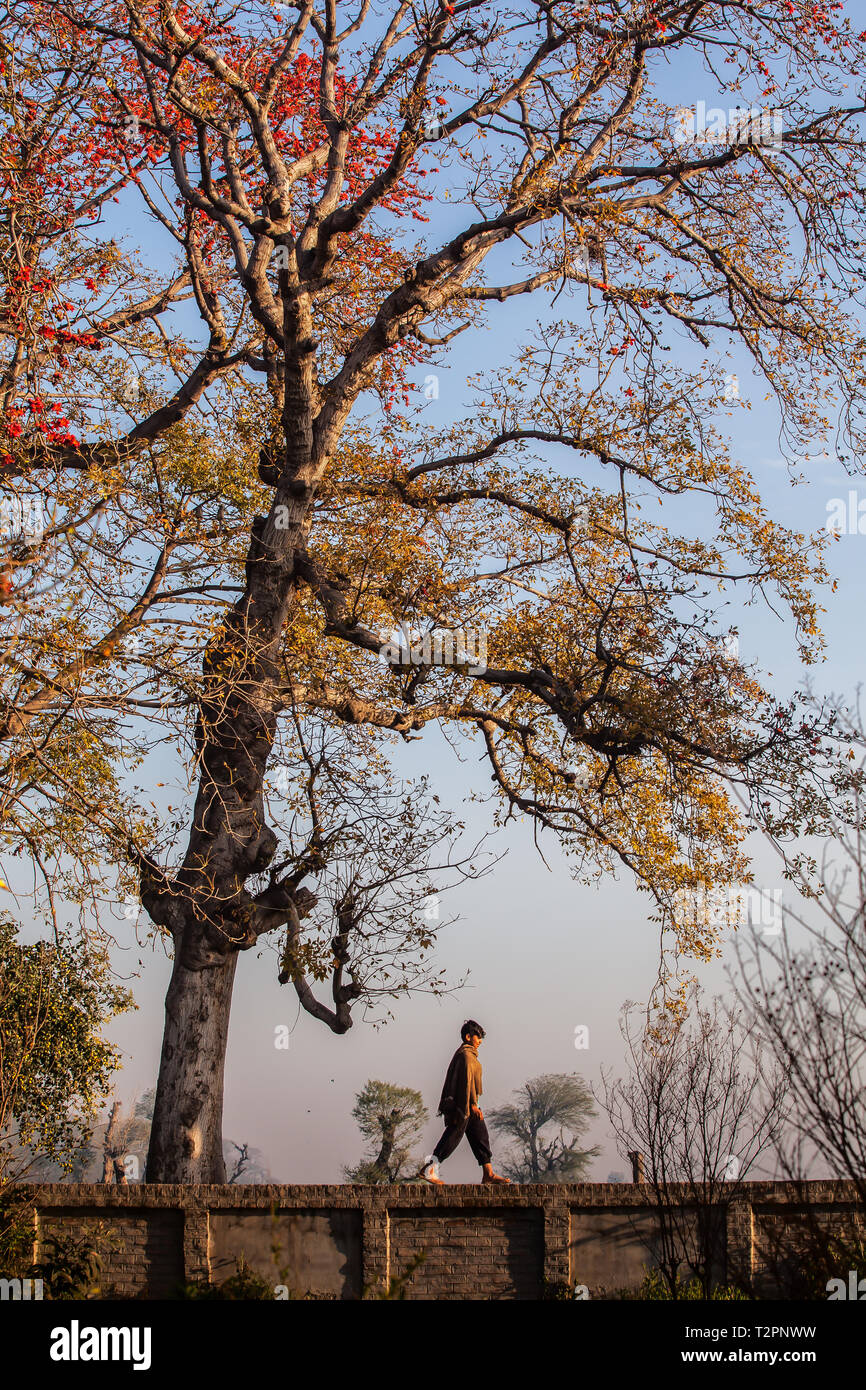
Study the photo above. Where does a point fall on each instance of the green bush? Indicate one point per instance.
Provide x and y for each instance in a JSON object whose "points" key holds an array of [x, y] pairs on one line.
{"points": [[69, 1269], [656, 1287]]}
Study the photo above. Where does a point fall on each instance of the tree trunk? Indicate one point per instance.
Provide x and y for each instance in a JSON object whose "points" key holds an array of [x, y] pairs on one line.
{"points": [[110, 1149], [388, 1126], [206, 905], [186, 1142]]}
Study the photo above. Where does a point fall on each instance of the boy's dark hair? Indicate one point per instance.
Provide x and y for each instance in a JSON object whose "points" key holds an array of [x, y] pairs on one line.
{"points": [[469, 1027]]}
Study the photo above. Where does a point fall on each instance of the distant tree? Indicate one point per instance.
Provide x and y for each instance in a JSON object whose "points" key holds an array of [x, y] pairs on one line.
{"points": [[241, 1163], [547, 1122], [244, 1164], [390, 1118], [113, 1145], [125, 1140], [55, 1067], [143, 1109]]}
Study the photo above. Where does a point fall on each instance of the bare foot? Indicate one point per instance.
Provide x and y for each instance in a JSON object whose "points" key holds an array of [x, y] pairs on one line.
{"points": [[493, 1177], [428, 1174]]}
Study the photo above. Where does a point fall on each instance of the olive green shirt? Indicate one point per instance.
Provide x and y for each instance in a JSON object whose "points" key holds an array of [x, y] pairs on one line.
{"points": [[462, 1084]]}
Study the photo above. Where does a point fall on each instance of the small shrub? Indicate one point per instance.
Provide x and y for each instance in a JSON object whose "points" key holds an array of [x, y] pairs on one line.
{"points": [[656, 1287], [562, 1291], [244, 1285], [70, 1268]]}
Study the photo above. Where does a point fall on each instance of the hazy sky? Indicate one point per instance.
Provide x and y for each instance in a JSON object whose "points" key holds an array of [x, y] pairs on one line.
{"points": [[543, 955]]}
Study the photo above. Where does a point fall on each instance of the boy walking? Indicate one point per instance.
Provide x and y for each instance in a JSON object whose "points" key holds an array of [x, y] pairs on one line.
{"points": [[459, 1107]]}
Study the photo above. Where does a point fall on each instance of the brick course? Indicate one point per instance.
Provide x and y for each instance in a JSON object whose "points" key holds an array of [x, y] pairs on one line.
{"points": [[347, 1241]]}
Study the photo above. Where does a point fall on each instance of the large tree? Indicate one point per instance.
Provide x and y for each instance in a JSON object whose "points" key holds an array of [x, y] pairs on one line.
{"points": [[245, 504]]}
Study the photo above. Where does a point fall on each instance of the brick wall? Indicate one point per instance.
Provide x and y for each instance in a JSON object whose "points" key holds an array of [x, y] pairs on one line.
{"points": [[343, 1241]]}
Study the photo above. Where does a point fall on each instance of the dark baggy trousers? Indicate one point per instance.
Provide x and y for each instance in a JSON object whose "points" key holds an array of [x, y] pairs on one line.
{"points": [[476, 1132]]}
